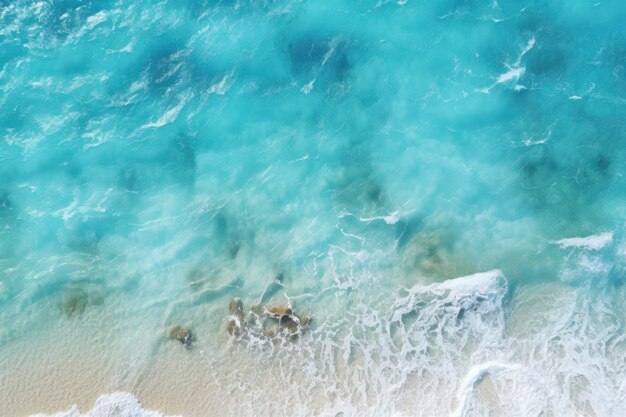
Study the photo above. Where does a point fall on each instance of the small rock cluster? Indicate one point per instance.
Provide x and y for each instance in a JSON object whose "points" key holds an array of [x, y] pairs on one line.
{"points": [[182, 334], [268, 321], [261, 321]]}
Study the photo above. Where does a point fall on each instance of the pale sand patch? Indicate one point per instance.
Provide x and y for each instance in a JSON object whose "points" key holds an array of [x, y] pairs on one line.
{"points": [[74, 363], [180, 382], [37, 380], [177, 383]]}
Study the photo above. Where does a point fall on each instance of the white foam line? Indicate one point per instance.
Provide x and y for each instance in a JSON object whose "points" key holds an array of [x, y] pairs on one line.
{"points": [[169, 116], [473, 377], [515, 71], [478, 282], [96, 19], [220, 88], [392, 218], [546, 138], [580, 97], [308, 87], [90, 23], [593, 242], [303, 158], [530, 45], [109, 405]]}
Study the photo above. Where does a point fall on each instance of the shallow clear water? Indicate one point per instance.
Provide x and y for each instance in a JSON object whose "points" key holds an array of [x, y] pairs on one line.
{"points": [[346, 158]]}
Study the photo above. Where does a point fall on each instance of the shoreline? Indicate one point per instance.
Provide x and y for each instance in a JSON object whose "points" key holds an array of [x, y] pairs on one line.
{"points": [[317, 375]]}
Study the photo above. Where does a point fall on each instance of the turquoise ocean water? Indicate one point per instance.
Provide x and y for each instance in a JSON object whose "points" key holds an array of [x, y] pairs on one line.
{"points": [[438, 185]]}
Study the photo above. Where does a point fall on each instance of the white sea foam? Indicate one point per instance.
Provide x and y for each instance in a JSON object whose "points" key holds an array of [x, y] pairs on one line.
{"points": [[473, 377], [366, 361], [308, 87], [576, 97], [531, 142], [391, 218], [220, 88], [117, 404], [482, 282], [96, 19], [529, 46], [90, 23], [169, 116], [575, 361], [515, 71], [593, 242], [410, 357]]}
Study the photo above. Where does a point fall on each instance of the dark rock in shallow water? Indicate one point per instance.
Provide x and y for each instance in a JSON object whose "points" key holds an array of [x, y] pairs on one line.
{"points": [[271, 331], [258, 309], [287, 322], [234, 326], [286, 319], [75, 302], [96, 299], [236, 320], [304, 320], [182, 334], [235, 307], [231, 327], [279, 311]]}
